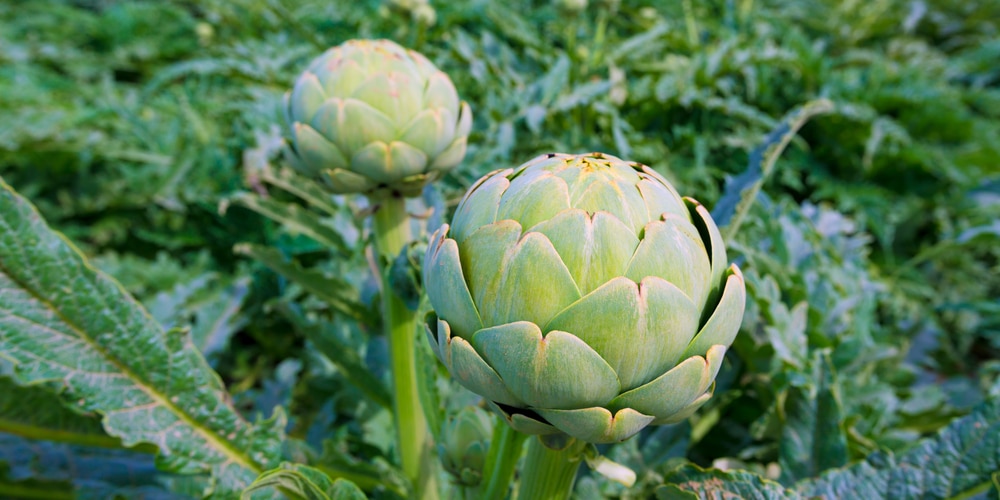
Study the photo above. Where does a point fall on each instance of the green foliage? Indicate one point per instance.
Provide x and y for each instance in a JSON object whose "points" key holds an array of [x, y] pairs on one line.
{"points": [[91, 336], [39, 469], [298, 482], [961, 461], [147, 133]]}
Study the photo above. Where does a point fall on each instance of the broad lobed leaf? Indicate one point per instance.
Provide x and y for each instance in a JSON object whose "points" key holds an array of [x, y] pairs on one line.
{"points": [[64, 322], [961, 461]]}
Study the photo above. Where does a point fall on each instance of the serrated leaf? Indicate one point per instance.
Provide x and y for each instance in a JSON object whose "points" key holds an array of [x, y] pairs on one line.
{"points": [[343, 297], [812, 439], [370, 474], [301, 186], [64, 322], [340, 354], [300, 482], [582, 94], [404, 274], [959, 462], [789, 340], [741, 191], [640, 45], [717, 484], [218, 317], [209, 305], [295, 219]]}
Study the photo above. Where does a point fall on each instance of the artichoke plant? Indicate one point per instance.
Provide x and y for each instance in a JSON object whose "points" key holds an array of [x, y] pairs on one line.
{"points": [[580, 294], [371, 117]]}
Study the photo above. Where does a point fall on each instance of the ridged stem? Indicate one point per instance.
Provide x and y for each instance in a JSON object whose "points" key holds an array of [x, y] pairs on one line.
{"points": [[505, 448], [392, 232], [549, 474]]}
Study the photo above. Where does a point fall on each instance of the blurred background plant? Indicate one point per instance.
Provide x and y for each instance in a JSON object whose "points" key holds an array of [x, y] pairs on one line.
{"points": [[145, 130]]}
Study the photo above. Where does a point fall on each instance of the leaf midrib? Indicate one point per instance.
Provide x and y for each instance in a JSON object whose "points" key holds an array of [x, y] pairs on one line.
{"points": [[228, 450]]}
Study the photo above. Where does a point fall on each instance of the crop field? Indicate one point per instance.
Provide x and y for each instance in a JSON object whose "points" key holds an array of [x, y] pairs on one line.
{"points": [[493, 249]]}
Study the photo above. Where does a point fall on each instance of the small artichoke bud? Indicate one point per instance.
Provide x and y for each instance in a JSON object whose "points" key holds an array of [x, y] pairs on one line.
{"points": [[583, 296], [466, 439], [571, 6], [371, 117], [424, 15], [619, 85]]}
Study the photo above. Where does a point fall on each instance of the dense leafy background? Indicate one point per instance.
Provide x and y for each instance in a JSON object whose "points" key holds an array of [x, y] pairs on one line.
{"points": [[148, 133]]}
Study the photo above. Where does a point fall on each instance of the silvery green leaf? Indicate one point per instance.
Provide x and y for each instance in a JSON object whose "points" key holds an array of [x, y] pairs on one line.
{"points": [[64, 322], [300, 482]]}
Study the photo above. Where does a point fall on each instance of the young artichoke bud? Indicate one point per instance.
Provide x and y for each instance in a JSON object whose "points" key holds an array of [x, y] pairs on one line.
{"points": [[580, 294], [571, 6], [371, 117], [466, 440]]}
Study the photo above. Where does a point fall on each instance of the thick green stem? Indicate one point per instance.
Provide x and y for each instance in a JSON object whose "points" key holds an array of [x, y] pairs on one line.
{"points": [[549, 474], [392, 233], [505, 449]]}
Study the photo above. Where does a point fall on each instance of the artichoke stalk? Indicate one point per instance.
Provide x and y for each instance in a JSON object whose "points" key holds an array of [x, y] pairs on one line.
{"points": [[581, 295], [371, 117]]}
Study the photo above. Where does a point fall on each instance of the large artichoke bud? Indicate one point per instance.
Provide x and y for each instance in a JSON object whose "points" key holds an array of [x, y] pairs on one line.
{"points": [[371, 117], [582, 295]]}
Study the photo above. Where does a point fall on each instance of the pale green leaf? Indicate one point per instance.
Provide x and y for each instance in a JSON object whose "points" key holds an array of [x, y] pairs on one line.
{"points": [[64, 322], [300, 482], [812, 437], [691, 481]]}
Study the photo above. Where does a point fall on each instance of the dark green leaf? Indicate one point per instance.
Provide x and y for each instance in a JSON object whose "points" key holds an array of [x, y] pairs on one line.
{"points": [[367, 474], [295, 219], [54, 469], [343, 297], [960, 461], [37, 413], [404, 274], [741, 191], [305, 188], [812, 437], [340, 354]]}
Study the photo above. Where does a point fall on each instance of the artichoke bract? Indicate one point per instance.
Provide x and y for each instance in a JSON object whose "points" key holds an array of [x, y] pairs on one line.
{"points": [[581, 294], [371, 117]]}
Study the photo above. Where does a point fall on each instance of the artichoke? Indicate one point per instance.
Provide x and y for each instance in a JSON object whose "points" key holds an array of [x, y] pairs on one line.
{"points": [[371, 117], [466, 439], [580, 294]]}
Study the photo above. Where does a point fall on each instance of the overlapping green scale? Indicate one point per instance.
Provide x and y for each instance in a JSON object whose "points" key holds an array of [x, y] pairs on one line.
{"points": [[582, 295], [371, 117]]}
